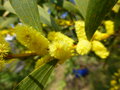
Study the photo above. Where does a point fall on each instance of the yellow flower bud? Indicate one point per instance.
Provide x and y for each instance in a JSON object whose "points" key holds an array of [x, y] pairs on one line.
{"points": [[32, 39], [116, 87], [113, 82], [63, 22]]}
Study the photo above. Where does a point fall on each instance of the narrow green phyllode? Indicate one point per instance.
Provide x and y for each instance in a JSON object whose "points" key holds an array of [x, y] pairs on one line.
{"points": [[96, 11]]}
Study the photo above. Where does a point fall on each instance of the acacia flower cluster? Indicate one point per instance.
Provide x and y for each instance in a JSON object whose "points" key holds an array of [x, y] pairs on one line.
{"points": [[84, 46], [32, 39], [59, 46]]}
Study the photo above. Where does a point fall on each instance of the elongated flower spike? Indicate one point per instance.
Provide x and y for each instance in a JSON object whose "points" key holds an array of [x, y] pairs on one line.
{"points": [[32, 39], [80, 30], [84, 46], [100, 36], [100, 49], [58, 36], [4, 49], [61, 46], [109, 25]]}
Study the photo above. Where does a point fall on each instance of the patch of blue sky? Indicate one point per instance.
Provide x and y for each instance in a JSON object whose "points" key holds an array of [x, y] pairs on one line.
{"points": [[64, 15], [73, 1]]}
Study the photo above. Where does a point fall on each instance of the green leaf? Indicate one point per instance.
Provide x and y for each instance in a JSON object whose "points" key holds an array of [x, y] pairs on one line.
{"points": [[47, 19], [38, 78], [82, 6], [8, 7], [27, 11], [96, 11], [7, 21], [70, 7], [44, 16]]}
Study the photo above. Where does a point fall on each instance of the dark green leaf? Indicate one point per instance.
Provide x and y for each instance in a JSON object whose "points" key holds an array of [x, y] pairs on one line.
{"points": [[38, 78], [117, 21], [27, 11], [96, 11]]}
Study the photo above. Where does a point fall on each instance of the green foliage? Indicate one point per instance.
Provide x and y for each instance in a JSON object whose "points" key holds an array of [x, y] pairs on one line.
{"points": [[47, 19], [7, 22], [38, 78], [82, 4], [28, 13], [35, 13], [96, 11], [67, 5]]}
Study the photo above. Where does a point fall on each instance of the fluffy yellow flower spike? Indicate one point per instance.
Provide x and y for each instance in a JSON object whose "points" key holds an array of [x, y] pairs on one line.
{"points": [[32, 39], [109, 25], [100, 36], [58, 36], [99, 49], [43, 60], [7, 31], [80, 30], [60, 50], [2, 64], [4, 47], [61, 47], [83, 47]]}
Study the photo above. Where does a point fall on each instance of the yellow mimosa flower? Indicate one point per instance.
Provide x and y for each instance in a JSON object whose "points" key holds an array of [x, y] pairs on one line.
{"points": [[32, 39], [83, 47], [100, 49]]}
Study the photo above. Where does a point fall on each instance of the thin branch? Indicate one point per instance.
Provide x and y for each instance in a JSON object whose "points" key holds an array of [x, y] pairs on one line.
{"points": [[23, 55]]}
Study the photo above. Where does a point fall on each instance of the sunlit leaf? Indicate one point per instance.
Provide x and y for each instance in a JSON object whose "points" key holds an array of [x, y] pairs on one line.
{"points": [[27, 11], [82, 6], [7, 22], [8, 7], [38, 78]]}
